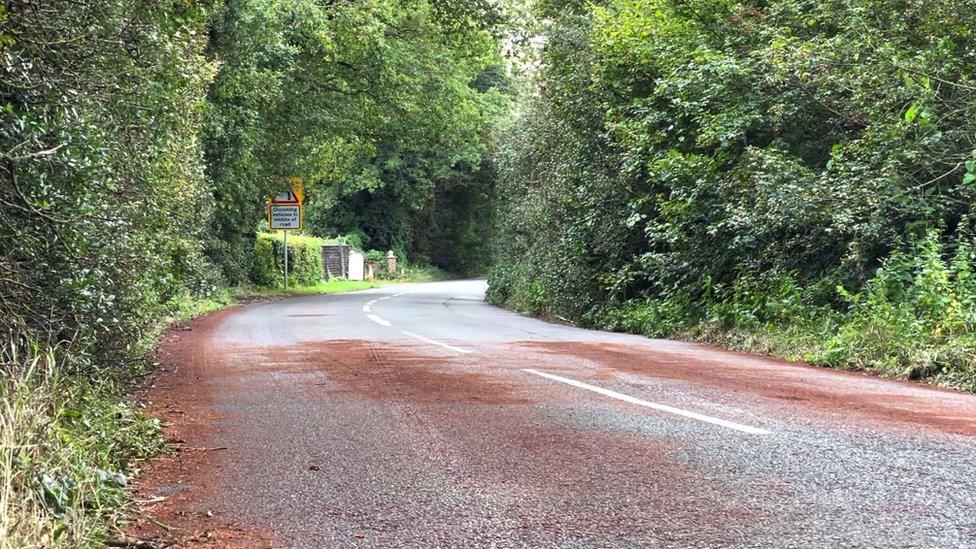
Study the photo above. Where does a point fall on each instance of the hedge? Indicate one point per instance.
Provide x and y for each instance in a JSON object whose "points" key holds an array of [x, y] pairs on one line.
{"points": [[304, 260]]}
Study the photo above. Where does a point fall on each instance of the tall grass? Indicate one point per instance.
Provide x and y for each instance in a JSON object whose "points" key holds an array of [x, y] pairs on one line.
{"points": [[66, 444]]}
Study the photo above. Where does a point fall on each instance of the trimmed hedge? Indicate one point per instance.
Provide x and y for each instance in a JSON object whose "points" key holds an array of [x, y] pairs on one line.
{"points": [[304, 260]]}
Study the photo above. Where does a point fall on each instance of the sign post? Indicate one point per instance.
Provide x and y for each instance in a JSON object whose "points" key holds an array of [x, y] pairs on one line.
{"points": [[286, 212]]}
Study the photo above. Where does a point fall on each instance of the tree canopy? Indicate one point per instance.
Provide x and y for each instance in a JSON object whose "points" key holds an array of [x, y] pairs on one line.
{"points": [[140, 140], [374, 102]]}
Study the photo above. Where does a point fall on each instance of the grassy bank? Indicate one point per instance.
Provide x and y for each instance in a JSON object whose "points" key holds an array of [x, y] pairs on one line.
{"points": [[69, 442], [886, 339], [330, 287], [914, 319]]}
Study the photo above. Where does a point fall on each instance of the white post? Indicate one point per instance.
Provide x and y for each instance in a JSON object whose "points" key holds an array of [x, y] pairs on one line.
{"points": [[286, 259]]}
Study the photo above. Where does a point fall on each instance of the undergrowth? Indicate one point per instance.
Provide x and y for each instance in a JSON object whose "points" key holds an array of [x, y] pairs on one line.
{"points": [[68, 442], [71, 437], [915, 319]]}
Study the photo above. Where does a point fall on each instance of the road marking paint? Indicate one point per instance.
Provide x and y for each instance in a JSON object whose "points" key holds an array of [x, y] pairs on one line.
{"points": [[659, 407], [384, 298], [438, 343], [368, 309], [378, 320]]}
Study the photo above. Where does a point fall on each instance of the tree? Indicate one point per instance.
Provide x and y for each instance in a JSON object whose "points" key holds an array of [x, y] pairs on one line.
{"points": [[370, 99]]}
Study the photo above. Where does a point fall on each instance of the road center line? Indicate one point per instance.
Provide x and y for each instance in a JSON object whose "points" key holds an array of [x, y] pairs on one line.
{"points": [[378, 320], [384, 298], [368, 309], [652, 405], [438, 343]]}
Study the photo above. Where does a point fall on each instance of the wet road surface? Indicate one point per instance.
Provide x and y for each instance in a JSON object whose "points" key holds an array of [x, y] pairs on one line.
{"points": [[419, 416]]}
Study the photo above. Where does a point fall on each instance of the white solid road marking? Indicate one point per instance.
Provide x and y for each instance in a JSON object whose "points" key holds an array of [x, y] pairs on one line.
{"points": [[659, 407], [438, 343], [378, 320], [367, 308]]}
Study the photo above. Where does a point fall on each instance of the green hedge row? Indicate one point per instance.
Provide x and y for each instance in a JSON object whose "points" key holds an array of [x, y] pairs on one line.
{"points": [[304, 260]]}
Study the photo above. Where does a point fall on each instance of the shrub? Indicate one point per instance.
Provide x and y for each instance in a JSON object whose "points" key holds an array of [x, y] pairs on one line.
{"points": [[375, 256], [716, 173], [305, 267], [103, 208], [915, 318]]}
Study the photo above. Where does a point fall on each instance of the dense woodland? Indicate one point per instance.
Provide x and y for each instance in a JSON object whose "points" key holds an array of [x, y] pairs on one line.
{"points": [[787, 176]]}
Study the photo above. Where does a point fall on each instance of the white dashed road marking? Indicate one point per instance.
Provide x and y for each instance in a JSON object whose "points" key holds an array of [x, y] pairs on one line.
{"points": [[368, 309], [652, 405], [438, 343]]}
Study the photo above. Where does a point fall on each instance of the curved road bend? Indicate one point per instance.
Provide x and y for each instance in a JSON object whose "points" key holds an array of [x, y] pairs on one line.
{"points": [[419, 416]]}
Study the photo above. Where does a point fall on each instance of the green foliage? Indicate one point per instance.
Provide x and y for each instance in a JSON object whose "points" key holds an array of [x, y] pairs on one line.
{"points": [[101, 177], [139, 141], [375, 256], [101, 196], [405, 272], [66, 446], [305, 267], [717, 170], [332, 286], [355, 239], [916, 318], [422, 273], [380, 107]]}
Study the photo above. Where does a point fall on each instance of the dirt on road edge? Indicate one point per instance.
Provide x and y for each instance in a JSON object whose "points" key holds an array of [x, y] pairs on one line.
{"points": [[168, 515]]}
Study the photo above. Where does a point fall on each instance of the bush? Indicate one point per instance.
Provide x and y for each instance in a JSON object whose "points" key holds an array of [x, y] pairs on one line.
{"points": [[101, 206], [375, 256], [102, 193], [305, 267], [421, 273], [916, 318], [356, 239]]}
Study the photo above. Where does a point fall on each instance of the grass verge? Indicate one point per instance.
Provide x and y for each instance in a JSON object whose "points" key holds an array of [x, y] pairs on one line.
{"points": [[71, 437], [331, 287], [68, 445]]}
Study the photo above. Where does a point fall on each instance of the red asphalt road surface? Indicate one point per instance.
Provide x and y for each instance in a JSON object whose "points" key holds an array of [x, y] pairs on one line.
{"points": [[419, 416]]}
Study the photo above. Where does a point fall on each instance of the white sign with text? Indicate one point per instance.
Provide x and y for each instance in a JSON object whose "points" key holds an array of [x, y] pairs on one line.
{"points": [[286, 217]]}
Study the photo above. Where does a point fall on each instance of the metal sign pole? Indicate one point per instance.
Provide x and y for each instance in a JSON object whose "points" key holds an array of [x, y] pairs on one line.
{"points": [[286, 260]]}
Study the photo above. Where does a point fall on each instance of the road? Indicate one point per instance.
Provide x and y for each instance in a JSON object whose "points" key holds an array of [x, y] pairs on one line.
{"points": [[419, 416]]}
